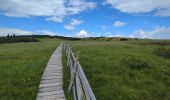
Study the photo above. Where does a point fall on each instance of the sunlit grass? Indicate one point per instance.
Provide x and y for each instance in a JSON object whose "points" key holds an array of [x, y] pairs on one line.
{"points": [[124, 70], [21, 68]]}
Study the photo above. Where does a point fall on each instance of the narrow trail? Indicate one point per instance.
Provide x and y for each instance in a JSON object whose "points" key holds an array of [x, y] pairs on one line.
{"points": [[51, 86]]}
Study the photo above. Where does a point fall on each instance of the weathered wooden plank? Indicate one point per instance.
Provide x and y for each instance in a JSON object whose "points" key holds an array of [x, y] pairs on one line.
{"points": [[73, 72], [52, 74], [50, 81], [53, 71], [51, 86], [78, 88], [84, 85], [48, 89], [85, 82], [50, 93], [73, 55], [52, 77], [74, 91]]}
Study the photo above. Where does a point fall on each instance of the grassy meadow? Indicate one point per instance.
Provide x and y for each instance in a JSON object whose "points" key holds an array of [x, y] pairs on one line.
{"points": [[126, 70], [22, 66], [116, 69]]}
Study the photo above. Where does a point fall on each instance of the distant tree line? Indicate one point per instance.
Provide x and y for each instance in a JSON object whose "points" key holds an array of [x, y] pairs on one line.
{"points": [[11, 36], [48, 36], [13, 39]]}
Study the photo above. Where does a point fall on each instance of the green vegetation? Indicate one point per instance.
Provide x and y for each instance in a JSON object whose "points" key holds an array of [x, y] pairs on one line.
{"points": [[134, 62], [154, 42], [117, 68], [164, 52], [17, 39], [66, 77], [126, 70], [22, 66]]}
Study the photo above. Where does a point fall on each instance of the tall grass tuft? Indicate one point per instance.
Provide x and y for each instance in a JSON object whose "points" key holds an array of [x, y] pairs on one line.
{"points": [[134, 62], [123, 39], [164, 52]]}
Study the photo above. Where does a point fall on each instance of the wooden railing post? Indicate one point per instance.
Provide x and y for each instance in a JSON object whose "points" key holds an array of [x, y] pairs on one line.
{"points": [[73, 72], [68, 56], [64, 45], [78, 83], [67, 49]]}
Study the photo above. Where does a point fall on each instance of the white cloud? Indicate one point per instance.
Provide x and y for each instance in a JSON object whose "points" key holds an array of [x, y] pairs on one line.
{"points": [[107, 33], [77, 6], [82, 34], [156, 33], [119, 24], [6, 31], [161, 7], [118, 35], [53, 10], [72, 25], [55, 19], [46, 32], [75, 22]]}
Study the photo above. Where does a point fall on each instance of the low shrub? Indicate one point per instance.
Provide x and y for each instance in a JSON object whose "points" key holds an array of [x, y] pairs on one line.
{"points": [[109, 39], [17, 39], [136, 38], [164, 52], [124, 39], [134, 62], [160, 43]]}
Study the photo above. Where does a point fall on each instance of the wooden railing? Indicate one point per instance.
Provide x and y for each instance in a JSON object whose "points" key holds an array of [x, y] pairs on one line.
{"points": [[78, 83]]}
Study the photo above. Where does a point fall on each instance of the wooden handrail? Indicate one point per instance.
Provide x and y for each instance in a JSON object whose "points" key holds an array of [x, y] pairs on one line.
{"points": [[78, 83]]}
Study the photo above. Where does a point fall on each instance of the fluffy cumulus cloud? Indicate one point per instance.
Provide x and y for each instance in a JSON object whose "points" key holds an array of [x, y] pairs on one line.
{"points": [[72, 25], [6, 31], [119, 24], [161, 7], [156, 33], [82, 34], [53, 10]]}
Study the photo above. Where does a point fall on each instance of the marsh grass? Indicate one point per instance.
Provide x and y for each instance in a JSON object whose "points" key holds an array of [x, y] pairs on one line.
{"points": [[17, 39], [22, 66], [158, 42], [164, 52], [134, 62], [66, 77], [122, 70]]}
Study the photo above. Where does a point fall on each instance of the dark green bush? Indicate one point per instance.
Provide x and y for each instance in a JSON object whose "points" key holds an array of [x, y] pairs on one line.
{"points": [[164, 52], [17, 39], [134, 62], [136, 38], [160, 43], [109, 39], [124, 39]]}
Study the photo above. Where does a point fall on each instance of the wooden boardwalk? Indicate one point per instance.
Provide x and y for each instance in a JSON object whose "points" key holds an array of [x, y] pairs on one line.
{"points": [[51, 86]]}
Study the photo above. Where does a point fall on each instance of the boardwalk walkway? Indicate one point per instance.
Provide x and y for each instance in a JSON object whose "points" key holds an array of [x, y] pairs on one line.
{"points": [[51, 86]]}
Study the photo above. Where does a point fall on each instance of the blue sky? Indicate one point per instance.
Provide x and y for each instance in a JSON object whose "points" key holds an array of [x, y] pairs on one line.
{"points": [[84, 18]]}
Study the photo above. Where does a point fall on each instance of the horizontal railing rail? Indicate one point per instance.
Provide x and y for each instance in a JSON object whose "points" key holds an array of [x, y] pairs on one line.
{"points": [[78, 83]]}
